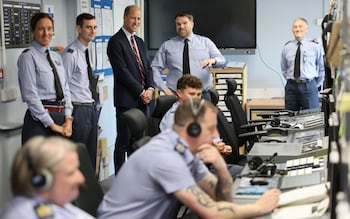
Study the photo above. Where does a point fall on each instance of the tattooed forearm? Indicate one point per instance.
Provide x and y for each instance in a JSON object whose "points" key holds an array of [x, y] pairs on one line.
{"points": [[226, 207], [223, 190], [207, 202], [201, 196], [212, 184]]}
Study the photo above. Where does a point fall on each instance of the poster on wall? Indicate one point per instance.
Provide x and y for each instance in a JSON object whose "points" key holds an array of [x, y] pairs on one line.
{"points": [[84, 6], [103, 11]]}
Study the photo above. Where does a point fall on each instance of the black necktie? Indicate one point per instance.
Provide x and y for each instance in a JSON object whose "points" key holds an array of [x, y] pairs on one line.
{"points": [[58, 86], [92, 80], [297, 63], [185, 59]]}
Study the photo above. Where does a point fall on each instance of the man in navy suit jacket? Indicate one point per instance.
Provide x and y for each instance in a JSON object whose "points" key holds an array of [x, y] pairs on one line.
{"points": [[133, 78]]}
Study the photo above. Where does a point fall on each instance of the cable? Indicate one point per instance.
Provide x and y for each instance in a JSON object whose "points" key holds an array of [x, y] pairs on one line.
{"points": [[269, 67]]}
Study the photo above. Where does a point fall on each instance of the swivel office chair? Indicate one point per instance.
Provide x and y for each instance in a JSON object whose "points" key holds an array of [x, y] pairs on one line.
{"points": [[163, 104], [91, 193], [239, 118], [227, 133], [137, 125]]}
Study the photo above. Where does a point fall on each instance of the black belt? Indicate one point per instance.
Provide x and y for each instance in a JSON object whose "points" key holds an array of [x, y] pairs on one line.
{"points": [[53, 103], [300, 81], [83, 104]]}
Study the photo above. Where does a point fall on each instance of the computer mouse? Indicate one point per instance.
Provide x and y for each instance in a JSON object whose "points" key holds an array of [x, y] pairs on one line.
{"points": [[285, 125], [299, 126], [259, 181]]}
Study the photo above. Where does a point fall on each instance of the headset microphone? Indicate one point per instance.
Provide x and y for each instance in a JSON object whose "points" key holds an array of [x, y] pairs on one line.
{"points": [[259, 166], [257, 161], [272, 157], [268, 167]]}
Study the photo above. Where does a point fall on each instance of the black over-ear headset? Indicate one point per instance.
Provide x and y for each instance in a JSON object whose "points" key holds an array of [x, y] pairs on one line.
{"points": [[194, 129], [265, 167], [41, 179]]}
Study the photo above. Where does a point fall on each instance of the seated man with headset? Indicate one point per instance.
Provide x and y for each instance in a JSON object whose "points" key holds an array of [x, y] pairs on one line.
{"points": [[170, 170], [189, 86], [45, 178]]}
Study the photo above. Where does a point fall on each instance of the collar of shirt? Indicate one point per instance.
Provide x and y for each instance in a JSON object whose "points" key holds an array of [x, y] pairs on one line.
{"points": [[190, 37], [176, 139], [40, 199], [302, 42], [127, 34], [80, 46], [174, 107], [40, 48]]}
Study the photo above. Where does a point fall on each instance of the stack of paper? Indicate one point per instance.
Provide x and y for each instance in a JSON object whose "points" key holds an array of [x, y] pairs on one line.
{"points": [[233, 64]]}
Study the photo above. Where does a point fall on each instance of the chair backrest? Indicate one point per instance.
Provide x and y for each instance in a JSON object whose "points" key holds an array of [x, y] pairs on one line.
{"points": [[214, 96], [137, 125], [238, 115], [233, 104], [163, 104], [91, 193], [228, 135]]}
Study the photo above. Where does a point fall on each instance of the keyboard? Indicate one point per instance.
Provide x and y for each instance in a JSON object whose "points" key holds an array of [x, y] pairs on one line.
{"points": [[305, 165]]}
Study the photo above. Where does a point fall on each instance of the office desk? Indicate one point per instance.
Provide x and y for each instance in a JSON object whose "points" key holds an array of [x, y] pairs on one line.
{"points": [[256, 106], [241, 200]]}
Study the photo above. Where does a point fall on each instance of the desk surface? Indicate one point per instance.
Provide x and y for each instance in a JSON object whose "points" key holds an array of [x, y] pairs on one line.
{"points": [[271, 102], [241, 200]]}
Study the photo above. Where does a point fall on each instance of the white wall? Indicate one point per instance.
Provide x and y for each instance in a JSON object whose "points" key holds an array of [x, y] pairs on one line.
{"points": [[274, 29]]}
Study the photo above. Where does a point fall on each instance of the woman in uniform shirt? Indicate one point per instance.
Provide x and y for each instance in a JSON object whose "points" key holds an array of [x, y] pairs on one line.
{"points": [[43, 84], [45, 179]]}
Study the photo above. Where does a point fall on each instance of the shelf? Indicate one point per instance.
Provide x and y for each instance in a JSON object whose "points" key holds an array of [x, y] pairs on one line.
{"points": [[220, 75]]}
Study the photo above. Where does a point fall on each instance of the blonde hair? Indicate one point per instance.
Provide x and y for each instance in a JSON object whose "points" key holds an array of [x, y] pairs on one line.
{"points": [[37, 154]]}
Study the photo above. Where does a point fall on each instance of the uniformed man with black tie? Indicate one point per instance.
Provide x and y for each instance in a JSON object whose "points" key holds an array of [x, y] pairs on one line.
{"points": [[303, 67], [82, 84]]}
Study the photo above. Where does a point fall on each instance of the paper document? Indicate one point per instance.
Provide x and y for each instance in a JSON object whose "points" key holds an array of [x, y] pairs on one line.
{"points": [[232, 64], [314, 210], [307, 194]]}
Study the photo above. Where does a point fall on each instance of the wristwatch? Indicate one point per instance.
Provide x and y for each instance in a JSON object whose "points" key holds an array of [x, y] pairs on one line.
{"points": [[70, 118]]}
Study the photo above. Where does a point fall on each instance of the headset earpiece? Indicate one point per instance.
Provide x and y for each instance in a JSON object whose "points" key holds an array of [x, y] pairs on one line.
{"points": [[269, 169], [255, 162], [275, 122], [41, 179], [194, 128]]}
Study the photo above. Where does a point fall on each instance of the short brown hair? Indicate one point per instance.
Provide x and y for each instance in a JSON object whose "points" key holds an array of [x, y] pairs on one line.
{"points": [[83, 16], [185, 14], [189, 80], [37, 17], [128, 8]]}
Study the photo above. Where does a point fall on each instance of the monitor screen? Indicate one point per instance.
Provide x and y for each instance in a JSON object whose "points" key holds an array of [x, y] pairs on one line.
{"points": [[229, 24]]}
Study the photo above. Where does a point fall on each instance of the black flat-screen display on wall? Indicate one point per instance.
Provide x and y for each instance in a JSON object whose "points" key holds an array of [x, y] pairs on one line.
{"points": [[230, 24]]}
